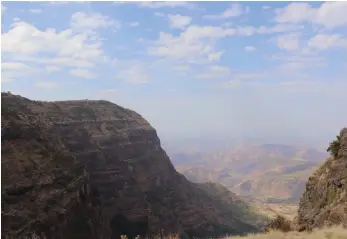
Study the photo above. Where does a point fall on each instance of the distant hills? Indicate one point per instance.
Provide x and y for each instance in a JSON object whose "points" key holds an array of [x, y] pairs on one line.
{"points": [[272, 173]]}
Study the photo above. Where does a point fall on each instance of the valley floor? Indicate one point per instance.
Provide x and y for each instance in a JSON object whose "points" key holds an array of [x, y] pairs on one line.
{"points": [[326, 233], [289, 211]]}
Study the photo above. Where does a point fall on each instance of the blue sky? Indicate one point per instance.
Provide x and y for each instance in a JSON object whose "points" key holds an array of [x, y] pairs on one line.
{"points": [[193, 69]]}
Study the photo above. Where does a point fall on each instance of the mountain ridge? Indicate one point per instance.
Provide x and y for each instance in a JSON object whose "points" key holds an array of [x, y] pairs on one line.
{"points": [[86, 168]]}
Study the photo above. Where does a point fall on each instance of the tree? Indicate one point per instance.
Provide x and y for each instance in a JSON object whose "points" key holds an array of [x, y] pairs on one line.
{"points": [[334, 147]]}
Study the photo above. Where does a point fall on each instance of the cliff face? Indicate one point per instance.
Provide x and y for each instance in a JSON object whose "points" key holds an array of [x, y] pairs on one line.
{"points": [[92, 169], [324, 202]]}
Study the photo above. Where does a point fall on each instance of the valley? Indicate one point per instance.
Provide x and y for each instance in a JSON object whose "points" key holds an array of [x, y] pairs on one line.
{"points": [[173, 120], [271, 177]]}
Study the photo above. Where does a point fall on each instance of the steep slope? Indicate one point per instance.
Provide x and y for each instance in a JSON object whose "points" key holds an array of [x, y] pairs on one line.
{"points": [[230, 200], [324, 202], [92, 169]]}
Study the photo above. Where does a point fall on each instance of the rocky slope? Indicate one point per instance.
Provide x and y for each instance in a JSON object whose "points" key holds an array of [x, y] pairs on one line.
{"points": [[92, 169], [324, 202]]}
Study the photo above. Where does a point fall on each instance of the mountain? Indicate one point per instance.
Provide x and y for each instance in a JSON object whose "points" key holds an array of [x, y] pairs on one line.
{"points": [[93, 169], [265, 171], [324, 201]]}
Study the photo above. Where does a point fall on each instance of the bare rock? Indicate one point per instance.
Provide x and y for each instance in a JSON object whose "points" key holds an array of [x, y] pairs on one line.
{"points": [[93, 169], [324, 202]]}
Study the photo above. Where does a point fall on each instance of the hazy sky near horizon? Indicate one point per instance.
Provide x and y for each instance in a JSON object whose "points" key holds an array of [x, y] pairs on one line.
{"points": [[246, 69]]}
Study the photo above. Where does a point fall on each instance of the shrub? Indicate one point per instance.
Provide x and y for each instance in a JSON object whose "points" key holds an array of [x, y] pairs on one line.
{"points": [[280, 223], [334, 147]]}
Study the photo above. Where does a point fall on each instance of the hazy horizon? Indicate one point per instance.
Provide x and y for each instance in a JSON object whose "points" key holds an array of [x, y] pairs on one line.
{"points": [[223, 70]]}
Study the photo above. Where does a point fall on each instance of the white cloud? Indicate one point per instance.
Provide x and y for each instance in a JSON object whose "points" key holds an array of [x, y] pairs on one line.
{"points": [[266, 7], [289, 42], [294, 13], [13, 66], [195, 44], [134, 74], [235, 10], [90, 21], [27, 39], [179, 21], [134, 24], [52, 68], [35, 10], [64, 61], [324, 42], [299, 61], [47, 84], [12, 70], [166, 4], [278, 28], [329, 14], [3, 8], [250, 48], [159, 14], [57, 2], [6, 79], [215, 56], [83, 73], [25, 42], [215, 72]]}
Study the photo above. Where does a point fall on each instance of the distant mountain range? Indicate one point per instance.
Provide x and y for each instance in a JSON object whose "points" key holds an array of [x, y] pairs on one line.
{"points": [[272, 172]]}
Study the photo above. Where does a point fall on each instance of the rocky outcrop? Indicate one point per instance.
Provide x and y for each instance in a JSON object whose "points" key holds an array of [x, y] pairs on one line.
{"points": [[324, 202], [92, 169]]}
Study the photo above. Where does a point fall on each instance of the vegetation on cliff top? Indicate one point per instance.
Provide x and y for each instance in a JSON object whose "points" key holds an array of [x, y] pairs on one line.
{"points": [[334, 146]]}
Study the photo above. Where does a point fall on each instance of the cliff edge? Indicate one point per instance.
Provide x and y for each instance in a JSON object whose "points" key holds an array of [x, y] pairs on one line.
{"points": [[93, 169], [324, 202]]}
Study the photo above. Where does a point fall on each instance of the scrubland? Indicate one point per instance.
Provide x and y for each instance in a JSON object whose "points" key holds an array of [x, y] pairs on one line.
{"points": [[325, 233]]}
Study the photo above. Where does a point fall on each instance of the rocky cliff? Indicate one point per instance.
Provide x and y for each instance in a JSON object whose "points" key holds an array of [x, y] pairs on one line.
{"points": [[324, 202], [92, 169]]}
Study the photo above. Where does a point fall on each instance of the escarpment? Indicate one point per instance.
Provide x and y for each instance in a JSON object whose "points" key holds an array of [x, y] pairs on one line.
{"points": [[92, 169], [324, 202]]}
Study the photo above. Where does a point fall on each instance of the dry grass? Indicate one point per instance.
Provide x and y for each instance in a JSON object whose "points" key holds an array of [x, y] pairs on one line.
{"points": [[173, 236], [326, 233], [337, 232]]}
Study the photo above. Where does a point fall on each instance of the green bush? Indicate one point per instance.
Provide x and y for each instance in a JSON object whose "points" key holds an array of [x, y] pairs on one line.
{"points": [[334, 147]]}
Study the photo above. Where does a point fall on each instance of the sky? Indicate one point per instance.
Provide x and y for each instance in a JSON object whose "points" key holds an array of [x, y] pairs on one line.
{"points": [[274, 70]]}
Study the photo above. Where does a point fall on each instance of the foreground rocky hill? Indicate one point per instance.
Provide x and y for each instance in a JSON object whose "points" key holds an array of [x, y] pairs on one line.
{"points": [[92, 169], [324, 202]]}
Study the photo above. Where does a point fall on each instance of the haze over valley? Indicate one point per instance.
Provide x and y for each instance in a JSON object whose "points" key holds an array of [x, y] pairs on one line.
{"points": [[270, 176]]}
